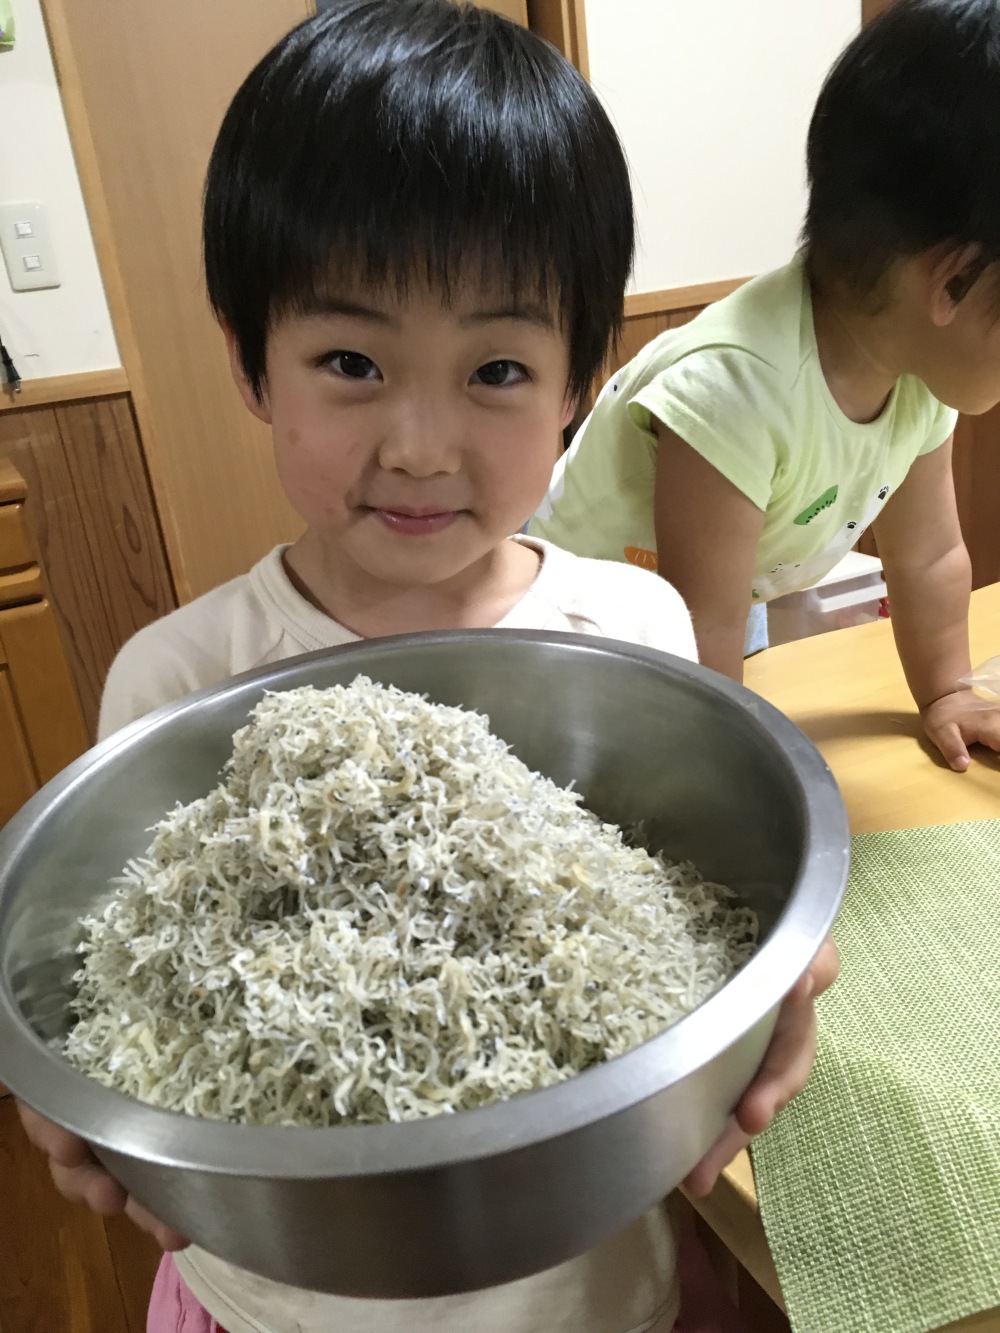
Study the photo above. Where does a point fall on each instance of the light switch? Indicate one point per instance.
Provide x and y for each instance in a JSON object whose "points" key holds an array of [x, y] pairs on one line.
{"points": [[27, 247]]}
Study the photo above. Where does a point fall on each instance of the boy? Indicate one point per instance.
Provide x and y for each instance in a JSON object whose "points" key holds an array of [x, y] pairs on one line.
{"points": [[744, 454], [416, 280]]}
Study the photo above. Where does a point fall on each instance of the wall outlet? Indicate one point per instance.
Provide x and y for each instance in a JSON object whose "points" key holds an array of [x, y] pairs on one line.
{"points": [[27, 246]]}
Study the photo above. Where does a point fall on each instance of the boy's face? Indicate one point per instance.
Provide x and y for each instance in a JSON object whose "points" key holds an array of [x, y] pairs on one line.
{"points": [[413, 436]]}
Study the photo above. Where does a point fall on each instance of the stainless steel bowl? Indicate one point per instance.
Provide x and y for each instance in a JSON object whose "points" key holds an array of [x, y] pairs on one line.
{"points": [[457, 1202]]}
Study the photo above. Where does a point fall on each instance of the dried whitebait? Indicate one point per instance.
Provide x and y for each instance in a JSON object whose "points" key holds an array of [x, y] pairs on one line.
{"points": [[380, 913]]}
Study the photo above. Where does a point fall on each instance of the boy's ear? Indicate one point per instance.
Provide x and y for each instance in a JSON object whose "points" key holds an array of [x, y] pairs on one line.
{"points": [[949, 272], [256, 405], [569, 411]]}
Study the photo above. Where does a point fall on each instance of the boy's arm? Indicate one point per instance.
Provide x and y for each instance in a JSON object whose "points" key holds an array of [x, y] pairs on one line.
{"points": [[707, 533], [929, 578]]}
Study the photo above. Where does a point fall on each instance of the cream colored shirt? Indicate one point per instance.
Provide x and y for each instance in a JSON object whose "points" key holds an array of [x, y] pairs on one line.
{"points": [[743, 386], [260, 618], [627, 1284]]}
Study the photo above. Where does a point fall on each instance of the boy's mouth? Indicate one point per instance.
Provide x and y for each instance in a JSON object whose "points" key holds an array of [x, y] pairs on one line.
{"points": [[416, 522]]}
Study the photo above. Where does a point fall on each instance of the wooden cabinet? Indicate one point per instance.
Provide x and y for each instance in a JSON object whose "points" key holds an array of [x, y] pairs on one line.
{"points": [[41, 727], [62, 1269]]}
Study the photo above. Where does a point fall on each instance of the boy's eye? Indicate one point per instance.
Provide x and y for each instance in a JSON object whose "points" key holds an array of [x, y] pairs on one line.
{"points": [[352, 365], [498, 374]]}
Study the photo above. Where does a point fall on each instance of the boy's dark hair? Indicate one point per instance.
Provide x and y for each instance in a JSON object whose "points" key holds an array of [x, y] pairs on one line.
{"points": [[387, 140], [904, 144]]}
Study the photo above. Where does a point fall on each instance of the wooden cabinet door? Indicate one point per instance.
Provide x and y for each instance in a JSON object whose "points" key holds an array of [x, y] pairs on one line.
{"points": [[52, 726], [17, 776], [145, 87]]}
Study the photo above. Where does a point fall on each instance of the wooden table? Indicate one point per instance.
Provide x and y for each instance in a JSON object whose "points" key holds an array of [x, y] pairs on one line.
{"points": [[847, 693]]}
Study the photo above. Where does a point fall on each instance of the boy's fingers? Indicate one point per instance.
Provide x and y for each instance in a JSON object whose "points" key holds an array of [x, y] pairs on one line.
{"points": [[789, 1058], [57, 1143], [91, 1185], [819, 976], [165, 1236], [702, 1179], [825, 967], [803, 989], [785, 1070]]}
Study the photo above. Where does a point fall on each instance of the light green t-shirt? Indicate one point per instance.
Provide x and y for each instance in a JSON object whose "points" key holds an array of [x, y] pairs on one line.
{"points": [[742, 385]]}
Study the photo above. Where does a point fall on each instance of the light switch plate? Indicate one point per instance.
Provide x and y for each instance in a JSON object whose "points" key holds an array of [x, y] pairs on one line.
{"points": [[30, 260]]}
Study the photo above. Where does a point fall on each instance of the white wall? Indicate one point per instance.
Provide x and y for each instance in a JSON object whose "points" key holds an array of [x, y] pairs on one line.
{"points": [[712, 99], [66, 329]]}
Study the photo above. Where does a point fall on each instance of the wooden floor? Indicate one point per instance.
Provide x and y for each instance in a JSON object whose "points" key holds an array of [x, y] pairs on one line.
{"points": [[62, 1269]]}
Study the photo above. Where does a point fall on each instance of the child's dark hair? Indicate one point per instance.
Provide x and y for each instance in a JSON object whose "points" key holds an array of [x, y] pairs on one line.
{"points": [[904, 144], [387, 140]]}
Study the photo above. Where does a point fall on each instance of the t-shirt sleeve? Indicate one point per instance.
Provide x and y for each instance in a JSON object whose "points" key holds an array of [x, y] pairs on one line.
{"points": [[637, 606], [727, 406], [664, 622], [942, 427], [210, 639], [148, 673]]}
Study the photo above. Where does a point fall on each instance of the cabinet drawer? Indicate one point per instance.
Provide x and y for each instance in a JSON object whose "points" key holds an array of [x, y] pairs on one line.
{"points": [[15, 545], [21, 585]]}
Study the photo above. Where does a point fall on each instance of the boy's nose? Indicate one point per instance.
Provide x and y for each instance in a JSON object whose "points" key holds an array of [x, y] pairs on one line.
{"points": [[421, 441]]}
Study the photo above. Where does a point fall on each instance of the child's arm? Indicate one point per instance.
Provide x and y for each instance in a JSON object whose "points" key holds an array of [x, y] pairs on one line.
{"points": [[928, 575], [706, 538]]}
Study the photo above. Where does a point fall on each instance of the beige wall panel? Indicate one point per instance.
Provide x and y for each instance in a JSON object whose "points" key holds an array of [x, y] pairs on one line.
{"points": [[154, 82]]}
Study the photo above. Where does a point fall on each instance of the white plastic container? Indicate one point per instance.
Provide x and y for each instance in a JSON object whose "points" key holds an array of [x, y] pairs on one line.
{"points": [[852, 593]]}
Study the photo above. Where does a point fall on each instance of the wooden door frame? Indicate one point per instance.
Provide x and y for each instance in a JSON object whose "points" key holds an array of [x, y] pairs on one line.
{"points": [[564, 24], [99, 217], [870, 9]]}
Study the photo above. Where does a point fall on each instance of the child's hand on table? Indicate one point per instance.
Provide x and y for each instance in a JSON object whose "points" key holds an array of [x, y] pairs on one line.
{"points": [[781, 1076], [79, 1177], [957, 721]]}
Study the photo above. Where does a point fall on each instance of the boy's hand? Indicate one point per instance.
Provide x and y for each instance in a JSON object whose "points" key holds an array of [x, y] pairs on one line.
{"points": [[957, 721], [79, 1177], [782, 1074]]}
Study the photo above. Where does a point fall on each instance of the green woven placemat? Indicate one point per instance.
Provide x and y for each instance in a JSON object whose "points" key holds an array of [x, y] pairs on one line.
{"points": [[879, 1186]]}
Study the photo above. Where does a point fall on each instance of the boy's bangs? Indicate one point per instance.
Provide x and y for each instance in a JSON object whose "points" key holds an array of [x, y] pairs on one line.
{"points": [[427, 144], [437, 199], [517, 280]]}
